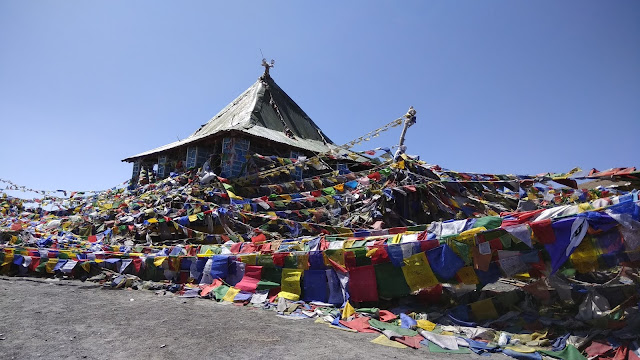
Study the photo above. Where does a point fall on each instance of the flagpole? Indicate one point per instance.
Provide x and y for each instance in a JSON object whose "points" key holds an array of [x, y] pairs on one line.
{"points": [[410, 119]]}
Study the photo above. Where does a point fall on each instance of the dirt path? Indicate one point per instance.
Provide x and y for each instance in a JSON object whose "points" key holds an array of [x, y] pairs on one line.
{"points": [[74, 320]]}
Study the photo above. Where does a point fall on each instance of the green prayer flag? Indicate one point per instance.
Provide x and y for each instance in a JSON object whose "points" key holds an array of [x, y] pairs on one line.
{"points": [[437, 349], [395, 328], [290, 262], [42, 267], [359, 243], [463, 250], [220, 292], [329, 191], [390, 280], [488, 222], [372, 310], [569, 353], [506, 241], [267, 285], [271, 274], [361, 256]]}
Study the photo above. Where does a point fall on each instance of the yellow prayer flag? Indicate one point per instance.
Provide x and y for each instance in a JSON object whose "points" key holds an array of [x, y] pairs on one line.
{"points": [[347, 311], [233, 196], [335, 255], [454, 203], [159, 260], [521, 349], [584, 207], [426, 325], [8, 259], [302, 260], [396, 239], [469, 236], [247, 259], [86, 266], [585, 257], [348, 243], [193, 218], [51, 264], [468, 276], [418, 273], [291, 284], [484, 310], [383, 340], [289, 296], [231, 294]]}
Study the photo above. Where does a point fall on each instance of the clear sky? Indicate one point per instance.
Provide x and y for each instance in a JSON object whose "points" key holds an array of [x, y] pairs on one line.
{"points": [[500, 86]]}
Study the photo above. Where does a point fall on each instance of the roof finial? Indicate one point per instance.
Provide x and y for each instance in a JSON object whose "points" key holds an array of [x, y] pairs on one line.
{"points": [[267, 66]]}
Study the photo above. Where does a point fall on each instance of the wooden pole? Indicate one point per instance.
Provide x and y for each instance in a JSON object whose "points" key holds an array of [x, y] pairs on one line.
{"points": [[404, 132], [410, 119]]}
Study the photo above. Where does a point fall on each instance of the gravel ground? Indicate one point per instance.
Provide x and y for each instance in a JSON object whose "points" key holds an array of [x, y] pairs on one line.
{"points": [[60, 319]]}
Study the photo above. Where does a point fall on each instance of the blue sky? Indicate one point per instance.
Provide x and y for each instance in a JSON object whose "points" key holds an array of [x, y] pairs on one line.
{"points": [[500, 86]]}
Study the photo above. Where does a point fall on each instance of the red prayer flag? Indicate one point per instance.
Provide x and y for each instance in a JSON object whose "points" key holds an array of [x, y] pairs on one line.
{"points": [[543, 231], [380, 256], [278, 259], [137, 263], [35, 261], [362, 284], [410, 341], [361, 324], [386, 315], [235, 248], [260, 238], [426, 245], [252, 275]]}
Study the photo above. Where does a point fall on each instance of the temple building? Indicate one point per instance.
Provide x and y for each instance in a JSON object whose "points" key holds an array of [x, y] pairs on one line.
{"points": [[262, 120]]}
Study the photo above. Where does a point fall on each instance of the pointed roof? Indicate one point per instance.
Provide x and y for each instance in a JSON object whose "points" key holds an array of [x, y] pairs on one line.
{"points": [[263, 110]]}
